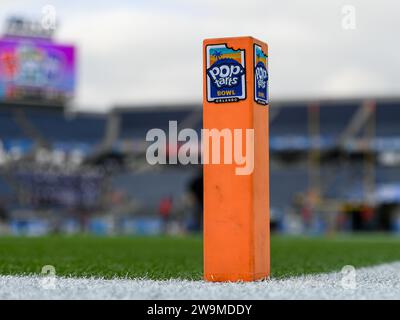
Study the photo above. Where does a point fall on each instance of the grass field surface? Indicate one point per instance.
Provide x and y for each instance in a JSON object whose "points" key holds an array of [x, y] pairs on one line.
{"points": [[161, 258]]}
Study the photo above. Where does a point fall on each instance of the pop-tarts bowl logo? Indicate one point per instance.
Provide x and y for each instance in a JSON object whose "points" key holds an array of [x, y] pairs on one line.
{"points": [[260, 76], [226, 74]]}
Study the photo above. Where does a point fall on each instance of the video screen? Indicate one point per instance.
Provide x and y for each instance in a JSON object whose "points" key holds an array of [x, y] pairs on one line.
{"points": [[36, 69]]}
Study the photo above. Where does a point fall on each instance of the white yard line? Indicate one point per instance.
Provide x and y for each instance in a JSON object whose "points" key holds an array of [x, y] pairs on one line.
{"points": [[377, 282]]}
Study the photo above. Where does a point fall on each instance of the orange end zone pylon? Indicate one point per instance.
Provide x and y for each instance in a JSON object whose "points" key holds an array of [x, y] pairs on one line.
{"points": [[236, 202]]}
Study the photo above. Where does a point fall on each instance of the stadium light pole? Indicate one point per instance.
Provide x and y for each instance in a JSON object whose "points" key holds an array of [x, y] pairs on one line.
{"points": [[314, 160], [369, 166], [236, 204]]}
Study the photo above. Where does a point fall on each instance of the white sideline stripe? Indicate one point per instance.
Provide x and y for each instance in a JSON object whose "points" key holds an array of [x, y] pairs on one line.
{"points": [[377, 282]]}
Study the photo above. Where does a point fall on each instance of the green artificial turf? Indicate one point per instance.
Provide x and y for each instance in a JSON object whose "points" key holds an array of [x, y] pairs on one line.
{"points": [[181, 257]]}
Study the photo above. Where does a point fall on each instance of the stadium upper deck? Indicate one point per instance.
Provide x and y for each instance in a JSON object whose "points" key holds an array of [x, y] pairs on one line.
{"points": [[289, 125], [343, 125]]}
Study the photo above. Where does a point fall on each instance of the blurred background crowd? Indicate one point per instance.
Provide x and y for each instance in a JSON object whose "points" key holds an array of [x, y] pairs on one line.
{"points": [[334, 162]]}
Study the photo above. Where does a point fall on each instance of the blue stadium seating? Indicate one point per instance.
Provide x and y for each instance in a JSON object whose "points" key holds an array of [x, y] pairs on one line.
{"points": [[57, 128], [291, 122], [135, 124], [149, 187], [5, 189], [285, 183], [8, 127], [387, 119], [293, 117], [387, 174], [335, 117]]}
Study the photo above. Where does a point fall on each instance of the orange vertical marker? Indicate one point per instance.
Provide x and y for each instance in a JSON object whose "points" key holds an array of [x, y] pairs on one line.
{"points": [[236, 189]]}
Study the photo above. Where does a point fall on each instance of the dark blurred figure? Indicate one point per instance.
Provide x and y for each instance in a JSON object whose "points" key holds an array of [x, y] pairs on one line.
{"points": [[3, 219], [197, 192], [165, 209], [386, 216], [362, 218], [3, 212]]}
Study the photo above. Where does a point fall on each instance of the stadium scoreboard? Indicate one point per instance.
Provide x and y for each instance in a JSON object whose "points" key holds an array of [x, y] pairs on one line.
{"points": [[33, 68]]}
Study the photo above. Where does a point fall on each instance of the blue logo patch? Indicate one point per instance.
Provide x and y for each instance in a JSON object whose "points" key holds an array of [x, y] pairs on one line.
{"points": [[260, 76], [226, 74]]}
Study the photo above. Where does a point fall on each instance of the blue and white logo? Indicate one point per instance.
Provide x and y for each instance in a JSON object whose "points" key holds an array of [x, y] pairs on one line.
{"points": [[226, 75], [260, 76]]}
